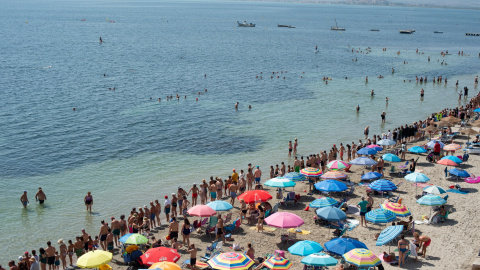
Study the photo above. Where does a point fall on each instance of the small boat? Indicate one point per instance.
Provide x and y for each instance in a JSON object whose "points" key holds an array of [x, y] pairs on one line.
{"points": [[336, 28], [282, 25], [406, 31], [374, 30], [291, 26], [245, 24], [437, 32], [83, 20]]}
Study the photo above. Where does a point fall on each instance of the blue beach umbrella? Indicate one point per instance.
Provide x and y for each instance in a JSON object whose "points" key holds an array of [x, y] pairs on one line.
{"points": [[431, 144], [385, 142], [391, 158], [220, 205], [340, 246], [295, 176], [371, 176], [383, 185], [417, 150], [323, 202], [431, 200], [331, 213], [417, 177], [367, 151], [459, 173], [304, 248], [380, 215], [389, 234], [319, 259], [453, 158], [280, 182], [331, 186], [477, 110], [363, 161]]}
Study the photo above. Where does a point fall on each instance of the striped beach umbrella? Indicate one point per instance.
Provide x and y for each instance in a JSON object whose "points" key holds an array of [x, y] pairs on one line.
{"points": [[165, 266], [399, 209], [376, 147], [417, 150], [311, 172], [334, 175], [304, 248], [361, 257], [277, 262], [319, 259], [389, 234], [380, 215], [382, 185], [391, 158], [431, 200], [280, 182], [295, 176], [133, 239], [337, 165], [230, 260], [452, 147], [323, 202], [436, 190], [453, 158]]}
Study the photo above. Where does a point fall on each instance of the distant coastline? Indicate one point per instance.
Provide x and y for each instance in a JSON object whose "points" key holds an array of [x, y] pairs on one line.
{"points": [[385, 3]]}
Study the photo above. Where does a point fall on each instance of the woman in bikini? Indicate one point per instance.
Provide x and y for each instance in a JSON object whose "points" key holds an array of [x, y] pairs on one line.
{"points": [[243, 209], [186, 232], [261, 217], [402, 250], [70, 250], [63, 253], [123, 225]]}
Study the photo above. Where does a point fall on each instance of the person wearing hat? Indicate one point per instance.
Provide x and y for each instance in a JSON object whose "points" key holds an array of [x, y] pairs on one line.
{"points": [[194, 191], [22, 264], [40, 197], [166, 207], [24, 199], [235, 177]]}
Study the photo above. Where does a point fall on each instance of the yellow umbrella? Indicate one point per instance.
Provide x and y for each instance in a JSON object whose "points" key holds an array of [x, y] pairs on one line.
{"points": [[165, 266], [94, 259]]}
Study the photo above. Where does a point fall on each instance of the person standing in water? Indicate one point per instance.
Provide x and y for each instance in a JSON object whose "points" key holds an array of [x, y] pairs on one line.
{"points": [[383, 116], [88, 201], [24, 199], [358, 108], [40, 197]]}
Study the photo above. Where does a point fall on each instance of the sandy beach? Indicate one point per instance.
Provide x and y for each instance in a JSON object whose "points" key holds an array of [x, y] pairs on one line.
{"points": [[454, 244]]}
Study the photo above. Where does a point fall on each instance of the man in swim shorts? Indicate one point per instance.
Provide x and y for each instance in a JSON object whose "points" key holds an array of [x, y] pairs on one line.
{"points": [[173, 229], [166, 207], [50, 250], [115, 230], [213, 192], [363, 210], [233, 193], [258, 174], [194, 191], [110, 240], [40, 197], [425, 242], [24, 199], [103, 235]]}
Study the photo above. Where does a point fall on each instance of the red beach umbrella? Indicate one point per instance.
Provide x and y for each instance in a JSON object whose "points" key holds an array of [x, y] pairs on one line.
{"points": [[255, 196], [160, 254]]}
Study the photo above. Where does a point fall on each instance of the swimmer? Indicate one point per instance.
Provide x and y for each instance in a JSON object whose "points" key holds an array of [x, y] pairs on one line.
{"points": [[422, 93], [366, 79], [196, 99], [159, 99], [372, 93], [358, 108], [205, 90], [386, 100], [73, 108], [236, 106], [249, 107]]}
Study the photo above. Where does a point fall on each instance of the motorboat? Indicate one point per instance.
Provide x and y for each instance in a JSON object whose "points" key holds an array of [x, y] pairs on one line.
{"points": [[245, 24], [282, 25], [374, 30], [406, 31], [437, 32]]}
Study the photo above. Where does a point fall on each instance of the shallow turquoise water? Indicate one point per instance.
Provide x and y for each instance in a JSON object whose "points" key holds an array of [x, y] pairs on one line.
{"points": [[128, 149]]}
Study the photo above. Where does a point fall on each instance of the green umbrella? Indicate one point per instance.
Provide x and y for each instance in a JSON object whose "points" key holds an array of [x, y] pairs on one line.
{"points": [[133, 239]]}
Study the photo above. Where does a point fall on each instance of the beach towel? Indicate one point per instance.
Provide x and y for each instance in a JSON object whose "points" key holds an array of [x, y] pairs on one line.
{"points": [[363, 184], [413, 250], [352, 223], [457, 191], [265, 228], [302, 232]]}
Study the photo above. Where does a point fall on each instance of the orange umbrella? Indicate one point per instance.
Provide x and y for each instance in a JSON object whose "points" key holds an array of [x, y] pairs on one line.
{"points": [[452, 147], [447, 162], [165, 266]]}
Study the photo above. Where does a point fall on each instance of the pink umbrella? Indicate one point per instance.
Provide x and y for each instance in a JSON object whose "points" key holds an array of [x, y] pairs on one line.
{"points": [[376, 147], [201, 211], [447, 162], [337, 165], [284, 220]]}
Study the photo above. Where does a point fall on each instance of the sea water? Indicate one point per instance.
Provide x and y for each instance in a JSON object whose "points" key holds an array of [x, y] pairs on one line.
{"points": [[128, 148]]}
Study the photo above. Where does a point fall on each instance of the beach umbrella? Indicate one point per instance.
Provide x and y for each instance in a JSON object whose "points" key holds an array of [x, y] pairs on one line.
{"points": [[386, 142], [361, 257], [319, 259], [323, 202], [230, 260], [363, 161], [469, 131], [383, 185], [452, 147], [391, 158], [133, 239], [453, 158], [417, 150], [367, 151], [380, 215], [477, 110], [165, 266], [337, 164], [447, 162], [304, 248], [472, 179], [371, 176], [284, 220], [220, 205], [376, 147], [442, 124], [252, 196], [459, 173], [159, 254], [431, 144], [436, 190], [295, 176], [451, 119], [330, 186], [430, 128], [94, 259], [280, 182], [331, 213], [389, 234], [398, 209], [475, 124], [340, 246], [417, 177], [334, 175], [431, 200], [201, 211], [277, 262], [311, 172]]}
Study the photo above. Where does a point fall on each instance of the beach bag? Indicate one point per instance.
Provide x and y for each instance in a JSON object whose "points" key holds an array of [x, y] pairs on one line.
{"points": [[236, 247]]}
